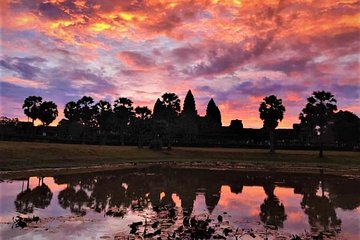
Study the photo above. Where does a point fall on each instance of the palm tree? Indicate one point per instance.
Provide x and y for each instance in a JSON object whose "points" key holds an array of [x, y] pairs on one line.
{"points": [[271, 112], [31, 107], [317, 114], [143, 115], [171, 108], [47, 112], [71, 111], [86, 113], [104, 116], [124, 111]]}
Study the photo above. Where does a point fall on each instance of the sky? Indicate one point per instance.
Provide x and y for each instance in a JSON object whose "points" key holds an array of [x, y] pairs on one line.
{"points": [[236, 52]]}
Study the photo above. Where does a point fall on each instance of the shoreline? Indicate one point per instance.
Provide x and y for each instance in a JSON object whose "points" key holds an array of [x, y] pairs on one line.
{"points": [[23, 159], [353, 173]]}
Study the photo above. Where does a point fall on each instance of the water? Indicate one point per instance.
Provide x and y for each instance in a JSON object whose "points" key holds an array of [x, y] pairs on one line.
{"points": [[74, 206]]}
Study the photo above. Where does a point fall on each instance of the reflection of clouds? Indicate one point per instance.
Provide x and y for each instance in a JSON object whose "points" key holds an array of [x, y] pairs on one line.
{"points": [[296, 218], [176, 199], [243, 204], [247, 204]]}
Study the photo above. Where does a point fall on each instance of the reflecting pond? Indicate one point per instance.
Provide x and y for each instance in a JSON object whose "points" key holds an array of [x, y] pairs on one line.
{"points": [[84, 206]]}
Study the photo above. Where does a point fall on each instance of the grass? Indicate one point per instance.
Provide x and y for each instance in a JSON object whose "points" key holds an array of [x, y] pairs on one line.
{"points": [[17, 156]]}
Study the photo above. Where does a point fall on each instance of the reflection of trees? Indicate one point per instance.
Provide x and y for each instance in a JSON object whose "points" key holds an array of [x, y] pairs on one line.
{"points": [[23, 202], [345, 194], [80, 200], [145, 186], [42, 196], [99, 196], [39, 197], [65, 197], [272, 212], [75, 200], [320, 211], [117, 195]]}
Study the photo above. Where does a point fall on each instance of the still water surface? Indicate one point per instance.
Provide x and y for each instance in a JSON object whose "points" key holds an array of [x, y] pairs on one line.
{"points": [[74, 206]]}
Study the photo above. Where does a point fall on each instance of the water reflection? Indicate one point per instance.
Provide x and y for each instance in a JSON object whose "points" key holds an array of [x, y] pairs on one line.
{"points": [[28, 199], [272, 211], [155, 187]]}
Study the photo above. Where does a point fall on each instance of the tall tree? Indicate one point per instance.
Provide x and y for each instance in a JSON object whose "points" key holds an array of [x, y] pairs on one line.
{"points": [[213, 114], [143, 113], [47, 112], [143, 116], [86, 110], [172, 106], [171, 103], [271, 112], [317, 114], [124, 111], [31, 107], [346, 127], [71, 126], [104, 116], [86, 114], [72, 112]]}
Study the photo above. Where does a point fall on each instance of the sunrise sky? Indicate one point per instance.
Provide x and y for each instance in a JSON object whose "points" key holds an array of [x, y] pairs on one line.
{"points": [[234, 51]]}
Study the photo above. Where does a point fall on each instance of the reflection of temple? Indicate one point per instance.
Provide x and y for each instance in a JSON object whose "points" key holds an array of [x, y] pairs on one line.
{"points": [[139, 189]]}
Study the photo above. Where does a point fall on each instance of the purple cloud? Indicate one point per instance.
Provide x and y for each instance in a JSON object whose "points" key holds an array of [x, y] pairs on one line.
{"points": [[22, 66]]}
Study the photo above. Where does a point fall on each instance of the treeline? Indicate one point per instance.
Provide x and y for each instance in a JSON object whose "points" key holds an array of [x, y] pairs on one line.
{"points": [[90, 121]]}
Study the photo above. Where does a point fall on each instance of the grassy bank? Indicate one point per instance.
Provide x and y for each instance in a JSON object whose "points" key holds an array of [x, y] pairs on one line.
{"points": [[16, 156]]}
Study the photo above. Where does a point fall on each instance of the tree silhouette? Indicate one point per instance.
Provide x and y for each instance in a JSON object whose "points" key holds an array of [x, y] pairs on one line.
{"points": [[31, 107], [86, 114], [143, 113], [124, 111], [317, 114], [143, 116], [104, 116], [86, 110], [171, 103], [271, 112], [47, 112], [213, 115], [71, 126], [346, 127], [72, 112]]}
